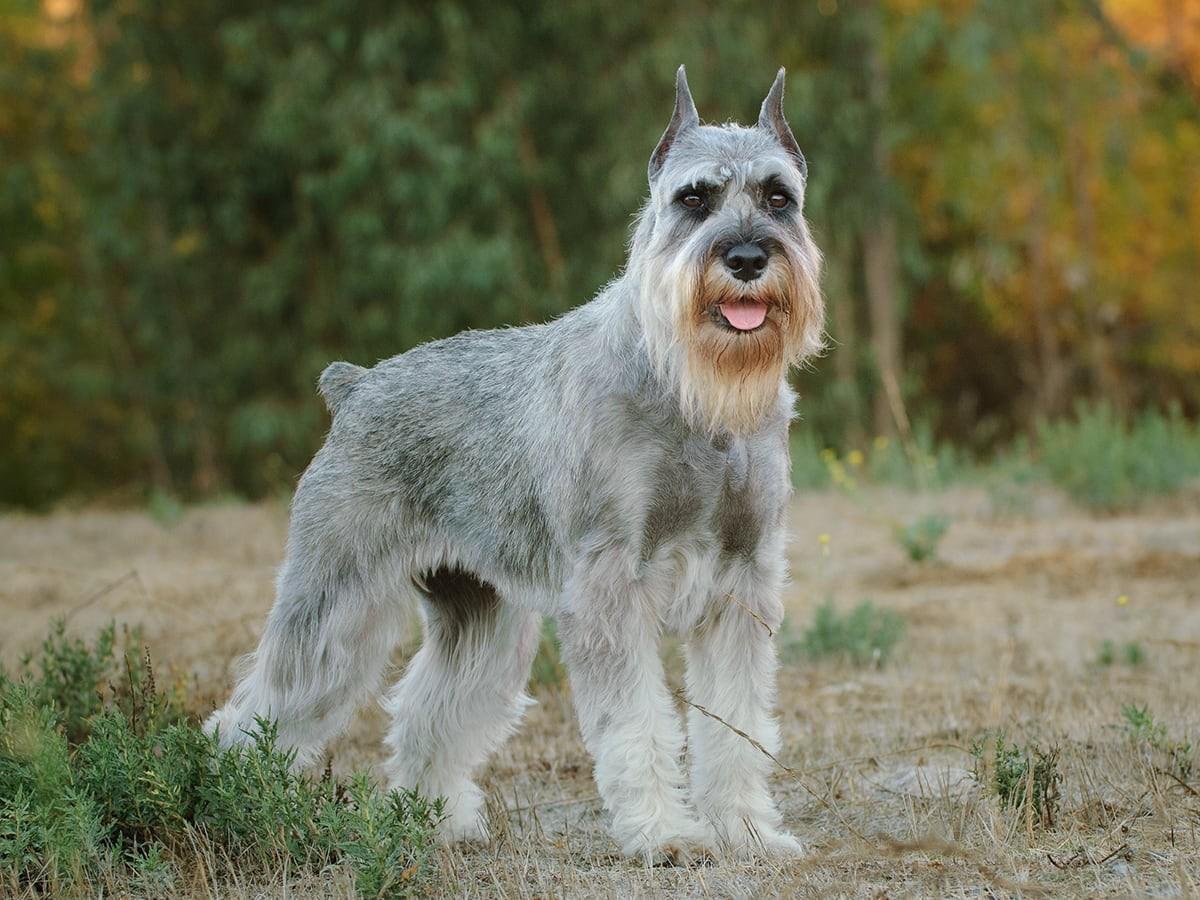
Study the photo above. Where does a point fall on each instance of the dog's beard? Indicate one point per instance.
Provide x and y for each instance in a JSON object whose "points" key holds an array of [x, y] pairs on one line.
{"points": [[729, 379]]}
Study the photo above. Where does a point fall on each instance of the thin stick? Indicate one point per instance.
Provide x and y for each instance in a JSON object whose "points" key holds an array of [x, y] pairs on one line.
{"points": [[755, 616], [896, 401], [1179, 781], [757, 745], [106, 589], [752, 741], [553, 804]]}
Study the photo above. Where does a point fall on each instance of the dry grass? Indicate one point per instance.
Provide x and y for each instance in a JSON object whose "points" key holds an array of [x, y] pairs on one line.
{"points": [[1002, 635]]}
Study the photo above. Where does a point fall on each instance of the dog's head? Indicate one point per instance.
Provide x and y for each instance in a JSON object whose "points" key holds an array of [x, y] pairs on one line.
{"points": [[728, 273]]}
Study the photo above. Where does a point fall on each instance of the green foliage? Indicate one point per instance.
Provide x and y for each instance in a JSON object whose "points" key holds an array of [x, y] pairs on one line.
{"points": [[1011, 479], [77, 681], [809, 469], [164, 508], [71, 676], [1131, 653], [1140, 725], [920, 538], [126, 783], [1021, 777], [1107, 463], [548, 669], [1145, 731], [204, 203], [866, 635], [923, 463]]}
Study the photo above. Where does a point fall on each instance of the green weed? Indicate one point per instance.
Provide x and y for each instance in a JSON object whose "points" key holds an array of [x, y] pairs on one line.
{"points": [[1131, 654], [866, 635], [548, 669], [1176, 757], [1021, 777], [921, 537]]}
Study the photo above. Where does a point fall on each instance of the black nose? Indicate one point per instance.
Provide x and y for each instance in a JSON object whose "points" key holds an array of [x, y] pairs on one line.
{"points": [[746, 261]]}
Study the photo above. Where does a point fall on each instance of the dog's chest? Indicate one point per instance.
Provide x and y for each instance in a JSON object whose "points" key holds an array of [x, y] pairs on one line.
{"points": [[710, 507]]}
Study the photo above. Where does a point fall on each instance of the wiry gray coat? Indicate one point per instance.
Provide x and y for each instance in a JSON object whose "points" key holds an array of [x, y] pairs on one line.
{"points": [[623, 469]]}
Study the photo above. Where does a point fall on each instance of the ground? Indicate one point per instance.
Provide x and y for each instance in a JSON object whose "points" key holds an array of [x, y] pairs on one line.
{"points": [[1004, 633]]}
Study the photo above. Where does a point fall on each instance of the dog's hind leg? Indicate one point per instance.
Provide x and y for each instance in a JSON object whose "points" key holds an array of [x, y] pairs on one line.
{"points": [[327, 640], [461, 696]]}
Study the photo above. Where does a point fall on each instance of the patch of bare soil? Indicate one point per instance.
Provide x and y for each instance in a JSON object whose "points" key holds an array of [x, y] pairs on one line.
{"points": [[1004, 633]]}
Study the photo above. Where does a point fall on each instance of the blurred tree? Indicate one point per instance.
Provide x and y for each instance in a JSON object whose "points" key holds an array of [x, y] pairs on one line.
{"points": [[202, 204]]}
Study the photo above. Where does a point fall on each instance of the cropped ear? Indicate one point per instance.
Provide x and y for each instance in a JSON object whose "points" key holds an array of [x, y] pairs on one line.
{"points": [[684, 117], [772, 119]]}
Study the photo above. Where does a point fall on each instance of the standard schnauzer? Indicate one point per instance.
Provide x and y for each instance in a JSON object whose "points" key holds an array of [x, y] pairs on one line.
{"points": [[623, 469]]}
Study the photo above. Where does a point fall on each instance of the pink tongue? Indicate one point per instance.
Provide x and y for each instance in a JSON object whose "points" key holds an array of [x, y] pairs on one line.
{"points": [[745, 315]]}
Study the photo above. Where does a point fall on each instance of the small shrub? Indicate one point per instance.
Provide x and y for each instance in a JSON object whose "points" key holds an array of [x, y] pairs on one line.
{"points": [[96, 780], [77, 680], [1020, 776], [1151, 736], [1131, 654], [1141, 727], [867, 635], [921, 537], [1105, 463]]}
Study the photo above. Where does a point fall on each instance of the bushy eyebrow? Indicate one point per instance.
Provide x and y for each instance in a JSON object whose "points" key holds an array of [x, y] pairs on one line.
{"points": [[774, 182], [699, 186]]}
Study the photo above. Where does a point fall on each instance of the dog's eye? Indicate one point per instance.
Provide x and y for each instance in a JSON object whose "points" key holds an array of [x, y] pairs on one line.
{"points": [[778, 201], [692, 201]]}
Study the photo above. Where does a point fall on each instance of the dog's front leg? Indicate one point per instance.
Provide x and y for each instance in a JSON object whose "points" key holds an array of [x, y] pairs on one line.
{"points": [[629, 724], [731, 673]]}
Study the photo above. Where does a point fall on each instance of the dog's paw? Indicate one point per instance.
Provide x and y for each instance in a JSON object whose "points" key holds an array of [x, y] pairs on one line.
{"points": [[686, 843], [680, 852], [746, 839], [463, 819], [463, 830]]}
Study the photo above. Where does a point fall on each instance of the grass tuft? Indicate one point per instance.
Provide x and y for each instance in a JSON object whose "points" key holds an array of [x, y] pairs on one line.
{"points": [[866, 635], [1023, 778], [1150, 736]]}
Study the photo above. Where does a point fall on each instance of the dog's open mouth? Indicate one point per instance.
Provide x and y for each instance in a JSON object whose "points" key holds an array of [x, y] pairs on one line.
{"points": [[744, 315]]}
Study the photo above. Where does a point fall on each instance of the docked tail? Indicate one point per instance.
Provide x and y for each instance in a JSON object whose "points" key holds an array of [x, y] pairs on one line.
{"points": [[337, 383]]}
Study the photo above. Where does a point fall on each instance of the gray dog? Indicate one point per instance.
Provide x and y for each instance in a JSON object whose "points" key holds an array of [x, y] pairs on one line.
{"points": [[623, 469]]}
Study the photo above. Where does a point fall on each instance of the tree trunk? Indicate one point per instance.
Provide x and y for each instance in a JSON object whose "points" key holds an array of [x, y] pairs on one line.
{"points": [[842, 298], [881, 261], [1050, 376], [1098, 314]]}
